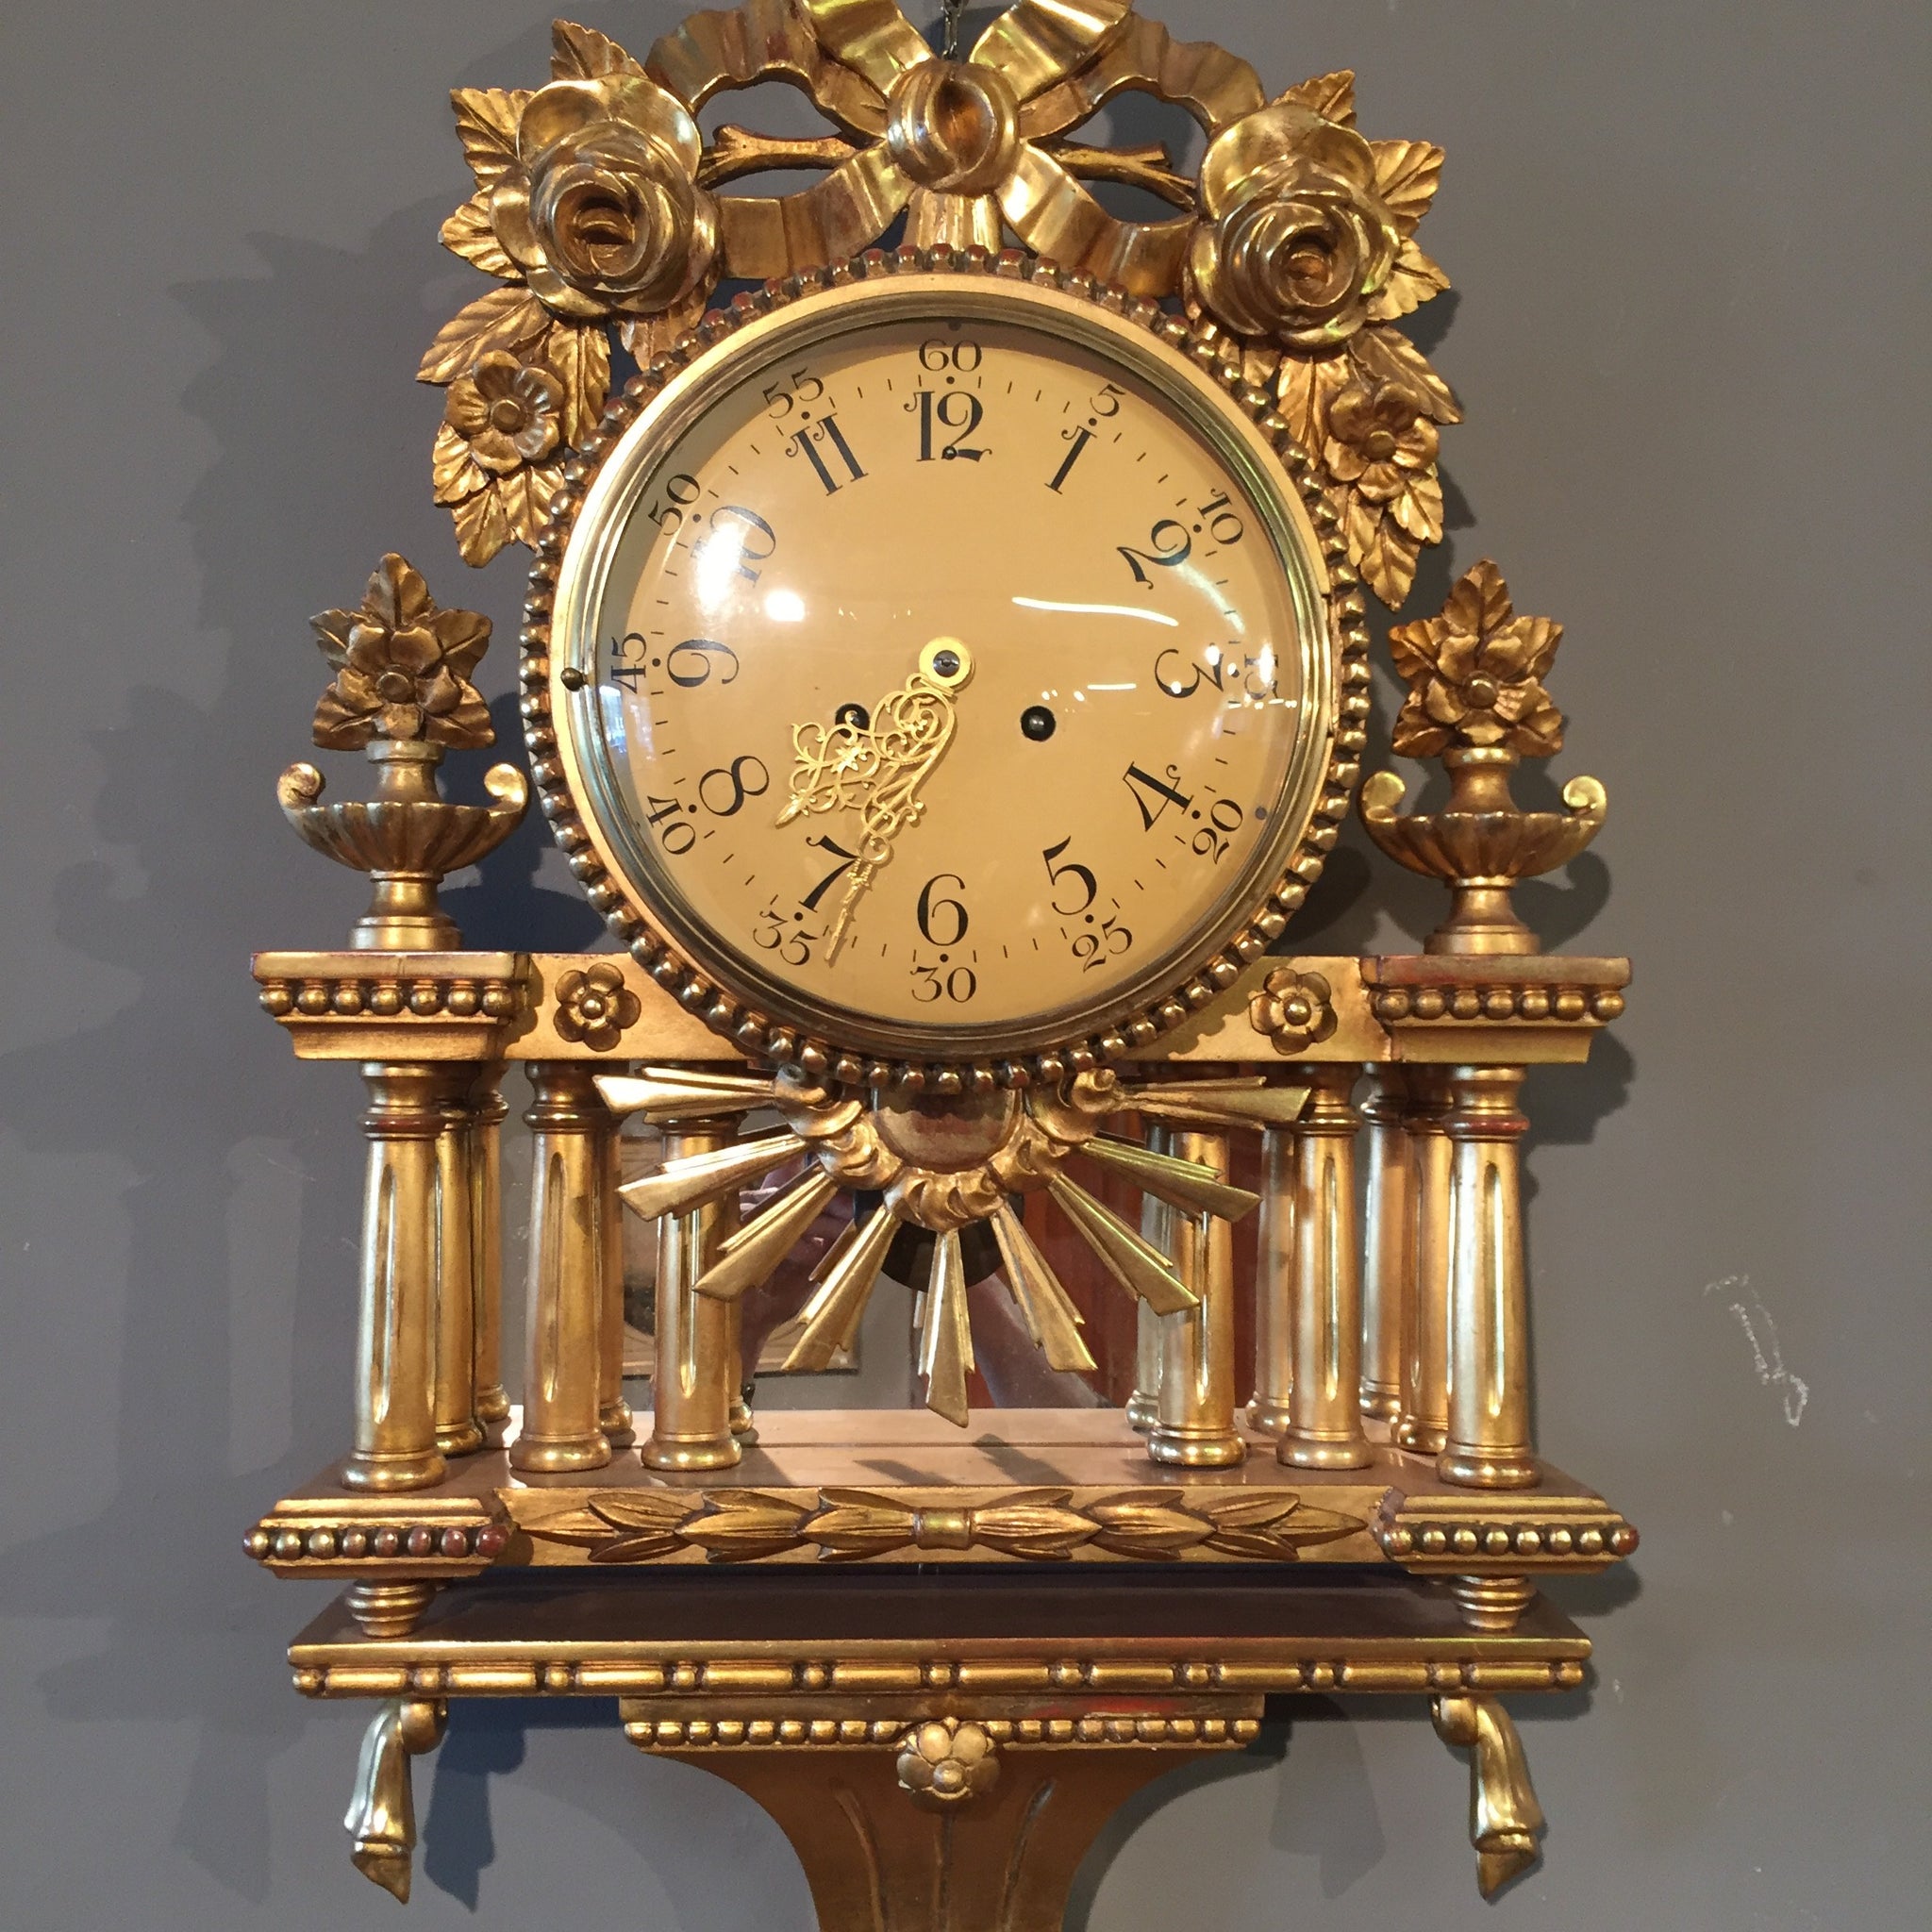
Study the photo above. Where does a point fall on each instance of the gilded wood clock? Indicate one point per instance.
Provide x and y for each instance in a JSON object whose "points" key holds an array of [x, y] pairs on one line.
{"points": [[946, 666]]}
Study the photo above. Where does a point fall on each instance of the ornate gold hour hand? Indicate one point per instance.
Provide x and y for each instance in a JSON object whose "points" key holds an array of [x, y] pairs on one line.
{"points": [[877, 770]]}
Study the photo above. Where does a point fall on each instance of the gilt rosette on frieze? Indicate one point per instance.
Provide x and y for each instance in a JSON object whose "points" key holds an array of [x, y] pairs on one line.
{"points": [[599, 209]]}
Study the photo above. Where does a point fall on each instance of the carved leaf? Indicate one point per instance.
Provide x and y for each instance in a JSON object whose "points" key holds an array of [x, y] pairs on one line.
{"points": [[1148, 1523], [581, 53], [1407, 173], [468, 233], [561, 1520], [482, 526], [487, 121], [1419, 509], [1331, 95], [503, 318], [741, 1525], [1033, 1523], [1413, 280], [855, 1523], [1273, 1528], [1386, 355], [646, 1509], [1305, 388], [646, 337], [1382, 550], [453, 469], [1240, 1511], [580, 354]]}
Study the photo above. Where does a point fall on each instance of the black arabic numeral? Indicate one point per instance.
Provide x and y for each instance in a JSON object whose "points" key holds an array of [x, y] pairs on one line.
{"points": [[1167, 551], [1210, 672], [626, 674], [1143, 786], [1211, 840], [747, 779], [1072, 870], [846, 861], [936, 355], [964, 420], [950, 911], [1222, 525], [680, 490], [698, 653], [676, 832], [747, 540]]}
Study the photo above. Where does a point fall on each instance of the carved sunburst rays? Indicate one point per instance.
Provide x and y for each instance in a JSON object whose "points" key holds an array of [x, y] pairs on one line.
{"points": [[849, 1271]]}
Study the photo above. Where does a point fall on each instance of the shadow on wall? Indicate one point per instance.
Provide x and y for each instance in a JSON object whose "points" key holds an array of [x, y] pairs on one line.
{"points": [[244, 1166]]}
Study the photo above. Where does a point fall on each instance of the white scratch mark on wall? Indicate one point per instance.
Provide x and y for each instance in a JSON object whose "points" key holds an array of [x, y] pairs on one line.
{"points": [[1760, 1331]]}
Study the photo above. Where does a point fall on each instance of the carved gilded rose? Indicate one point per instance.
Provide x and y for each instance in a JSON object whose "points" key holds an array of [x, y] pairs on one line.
{"points": [[601, 211], [1296, 241], [402, 667]]}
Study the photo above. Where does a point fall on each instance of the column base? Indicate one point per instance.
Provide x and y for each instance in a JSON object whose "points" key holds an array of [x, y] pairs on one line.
{"points": [[1268, 1417], [558, 1456], [696, 1451], [422, 1470], [1180, 1449], [1143, 1411], [617, 1423], [1493, 1603], [1313, 1452], [1383, 1404], [461, 1439], [1488, 1469], [1421, 1438]]}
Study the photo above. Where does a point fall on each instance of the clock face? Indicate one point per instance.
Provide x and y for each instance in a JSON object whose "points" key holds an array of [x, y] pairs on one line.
{"points": [[940, 673]]}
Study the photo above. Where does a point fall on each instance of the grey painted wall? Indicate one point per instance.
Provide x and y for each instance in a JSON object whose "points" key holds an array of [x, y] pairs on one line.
{"points": [[1691, 340]]}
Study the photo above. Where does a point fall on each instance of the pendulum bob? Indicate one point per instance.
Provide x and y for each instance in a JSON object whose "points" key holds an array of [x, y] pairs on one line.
{"points": [[1324, 1428], [697, 1376], [1268, 1412], [562, 1382], [1487, 1445], [395, 1343], [1388, 1244], [1194, 1424], [1424, 1424]]}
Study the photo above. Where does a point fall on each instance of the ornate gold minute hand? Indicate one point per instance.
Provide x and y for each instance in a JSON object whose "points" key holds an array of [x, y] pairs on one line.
{"points": [[877, 770]]}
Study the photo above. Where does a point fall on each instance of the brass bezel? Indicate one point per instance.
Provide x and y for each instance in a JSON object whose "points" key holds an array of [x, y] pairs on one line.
{"points": [[709, 980]]}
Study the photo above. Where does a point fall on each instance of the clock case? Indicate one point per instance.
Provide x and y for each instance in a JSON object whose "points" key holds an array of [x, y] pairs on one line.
{"points": [[941, 1658]]}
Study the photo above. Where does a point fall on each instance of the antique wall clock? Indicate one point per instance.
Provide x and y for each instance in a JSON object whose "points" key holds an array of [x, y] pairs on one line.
{"points": [[946, 667]]}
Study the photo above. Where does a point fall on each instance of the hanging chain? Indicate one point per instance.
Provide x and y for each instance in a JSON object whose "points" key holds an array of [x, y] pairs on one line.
{"points": [[950, 13]]}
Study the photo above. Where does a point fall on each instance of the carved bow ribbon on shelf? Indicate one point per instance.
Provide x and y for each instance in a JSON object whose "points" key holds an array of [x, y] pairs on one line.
{"points": [[597, 209]]}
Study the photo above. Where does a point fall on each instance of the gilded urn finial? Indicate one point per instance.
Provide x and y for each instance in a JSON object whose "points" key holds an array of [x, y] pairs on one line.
{"points": [[402, 689], [1477, 701]]}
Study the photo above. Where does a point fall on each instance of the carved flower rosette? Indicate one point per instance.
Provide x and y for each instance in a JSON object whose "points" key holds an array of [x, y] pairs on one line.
{"points": [[598, 209]]}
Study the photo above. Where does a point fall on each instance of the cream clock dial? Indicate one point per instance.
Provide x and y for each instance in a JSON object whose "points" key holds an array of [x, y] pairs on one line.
{"points": [[944, 666]]}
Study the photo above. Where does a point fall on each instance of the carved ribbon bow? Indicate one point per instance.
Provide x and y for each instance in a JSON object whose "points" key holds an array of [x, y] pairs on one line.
{"points": [[957, 146]]}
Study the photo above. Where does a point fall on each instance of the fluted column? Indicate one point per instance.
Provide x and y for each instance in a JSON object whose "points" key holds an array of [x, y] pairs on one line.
{"points": [[562, 1380], [1195, 1423], [695, 1382], [1488, 1446], [1157, 1229], [1388, 1241], [458, 1431], [395, 1343], [1274, 1284], [488, 1111], [1324, 1428], [613, 1411], [1423, 1426]]}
